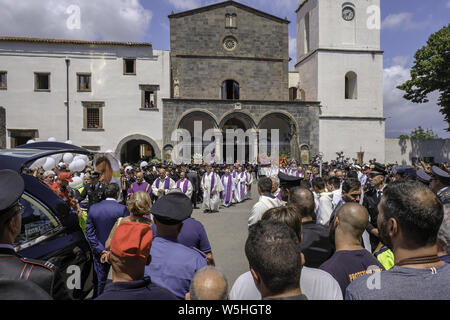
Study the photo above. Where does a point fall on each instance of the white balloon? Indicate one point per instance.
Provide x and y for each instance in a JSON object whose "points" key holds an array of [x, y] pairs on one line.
{"points": [[57, 157], [73, 166], [85, 158], [68, 158], [30, 141], [49, 164], [52, 139], [80, 165], [38, 163]]}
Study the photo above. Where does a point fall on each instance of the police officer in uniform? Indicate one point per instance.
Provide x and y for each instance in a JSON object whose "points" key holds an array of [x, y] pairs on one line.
{"points": [[95, 191], [372, 197], [12, 266], [440, 183]]}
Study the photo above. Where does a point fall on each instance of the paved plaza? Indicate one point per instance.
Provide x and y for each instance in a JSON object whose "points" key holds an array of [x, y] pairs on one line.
{"points": [[227, 232]]}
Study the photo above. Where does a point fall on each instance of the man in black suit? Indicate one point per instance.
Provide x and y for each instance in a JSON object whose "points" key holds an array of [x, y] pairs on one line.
{"points": [[315, 244], [192, 176]]}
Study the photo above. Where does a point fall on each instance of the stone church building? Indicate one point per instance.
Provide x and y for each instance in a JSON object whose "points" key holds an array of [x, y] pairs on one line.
{"points": [[230, 70]]}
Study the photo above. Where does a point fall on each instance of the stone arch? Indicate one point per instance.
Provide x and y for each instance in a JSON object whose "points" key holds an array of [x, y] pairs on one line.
{"points": [[282, 112], [288, 131], [149, 140], [232, 113], [194, 110]]}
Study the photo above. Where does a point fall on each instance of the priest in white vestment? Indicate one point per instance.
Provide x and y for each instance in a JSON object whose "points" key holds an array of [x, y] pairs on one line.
{"points": [[211, 186], [228, 188], [241, 185], [185, 185], [162, 184]]}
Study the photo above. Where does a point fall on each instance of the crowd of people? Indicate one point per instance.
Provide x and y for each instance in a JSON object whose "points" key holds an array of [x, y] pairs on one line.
{"points": [[323, 231]]}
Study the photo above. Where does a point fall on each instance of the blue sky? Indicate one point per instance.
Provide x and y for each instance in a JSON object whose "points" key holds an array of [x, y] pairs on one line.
{"points": [[406, 26]]}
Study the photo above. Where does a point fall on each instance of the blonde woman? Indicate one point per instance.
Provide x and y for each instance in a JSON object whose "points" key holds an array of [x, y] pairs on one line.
{"points": [[139, 208]]}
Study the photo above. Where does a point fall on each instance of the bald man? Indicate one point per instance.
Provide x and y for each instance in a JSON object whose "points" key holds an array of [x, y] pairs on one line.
{"points": [[350, 260], [162, 184], [208, 284], [139, 185]]}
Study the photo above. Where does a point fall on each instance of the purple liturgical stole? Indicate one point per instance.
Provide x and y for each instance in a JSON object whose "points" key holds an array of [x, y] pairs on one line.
{"points": [[166, 183], [228, 195], [185, 185], [279, 196]]}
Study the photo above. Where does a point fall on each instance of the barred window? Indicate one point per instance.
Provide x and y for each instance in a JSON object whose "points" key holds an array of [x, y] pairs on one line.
{"points": [[93, 118], [93, 115]]}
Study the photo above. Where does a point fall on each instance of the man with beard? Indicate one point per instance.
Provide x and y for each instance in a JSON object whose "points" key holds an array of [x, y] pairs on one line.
{"points": [[410, 215]]}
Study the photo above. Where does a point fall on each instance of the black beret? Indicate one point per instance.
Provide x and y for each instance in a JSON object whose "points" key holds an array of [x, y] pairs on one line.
{"points": [[12, 185], [172, 208]]}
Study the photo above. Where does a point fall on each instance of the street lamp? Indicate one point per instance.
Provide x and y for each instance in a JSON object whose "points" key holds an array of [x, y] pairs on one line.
{"points": [[67, 101]]}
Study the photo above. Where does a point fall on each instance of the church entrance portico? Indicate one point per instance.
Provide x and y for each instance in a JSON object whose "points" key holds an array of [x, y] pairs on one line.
{"points": [[250, 126]]}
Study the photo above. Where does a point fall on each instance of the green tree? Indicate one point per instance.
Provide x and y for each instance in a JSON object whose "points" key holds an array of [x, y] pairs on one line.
{"points": [[431, 72], [420, 134]]}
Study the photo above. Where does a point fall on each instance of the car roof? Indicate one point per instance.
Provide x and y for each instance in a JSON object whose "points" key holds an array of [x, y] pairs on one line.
{"points": [[18, 158]]}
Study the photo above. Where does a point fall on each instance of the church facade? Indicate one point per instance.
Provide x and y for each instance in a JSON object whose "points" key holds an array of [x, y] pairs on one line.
{"points": [[230, 70]]}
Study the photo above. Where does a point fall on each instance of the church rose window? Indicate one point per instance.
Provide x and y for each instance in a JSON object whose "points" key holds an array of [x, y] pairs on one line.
{"points": [[230, 43]]}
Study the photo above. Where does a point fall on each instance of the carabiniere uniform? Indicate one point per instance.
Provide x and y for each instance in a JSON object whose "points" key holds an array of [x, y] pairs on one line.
{"points": [[12, 265]]}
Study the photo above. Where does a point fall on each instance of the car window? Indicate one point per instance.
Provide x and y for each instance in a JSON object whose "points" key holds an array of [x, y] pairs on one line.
{"points": [[37, 223]]}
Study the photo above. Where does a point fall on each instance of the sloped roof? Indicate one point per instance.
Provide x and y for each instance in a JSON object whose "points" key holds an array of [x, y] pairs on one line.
{"points": [[79, 42], [225, 4]]}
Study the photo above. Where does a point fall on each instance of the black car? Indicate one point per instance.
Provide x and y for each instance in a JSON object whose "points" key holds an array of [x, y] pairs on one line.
{"points": [[50, 228]]}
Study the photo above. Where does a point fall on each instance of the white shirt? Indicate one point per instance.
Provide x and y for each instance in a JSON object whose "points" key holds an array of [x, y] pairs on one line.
{"points": [[315, 284]]}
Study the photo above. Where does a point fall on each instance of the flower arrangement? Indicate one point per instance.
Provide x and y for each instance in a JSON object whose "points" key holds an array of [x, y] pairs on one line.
{"points": [[283, 160]]}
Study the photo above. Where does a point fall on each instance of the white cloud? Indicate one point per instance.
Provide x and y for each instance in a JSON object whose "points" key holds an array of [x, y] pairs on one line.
{"points": [[404, 116], [185, 4], [403, 20], [125, 20]]}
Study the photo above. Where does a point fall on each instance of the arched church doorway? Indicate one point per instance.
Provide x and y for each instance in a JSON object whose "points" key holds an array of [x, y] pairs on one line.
{"points": [[135, 151], [188, 123], [286, 133], [135, 148], [240, 147]]}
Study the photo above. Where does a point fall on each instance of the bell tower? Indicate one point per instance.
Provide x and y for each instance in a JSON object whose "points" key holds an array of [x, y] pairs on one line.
{"points": [[341, 65]]}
